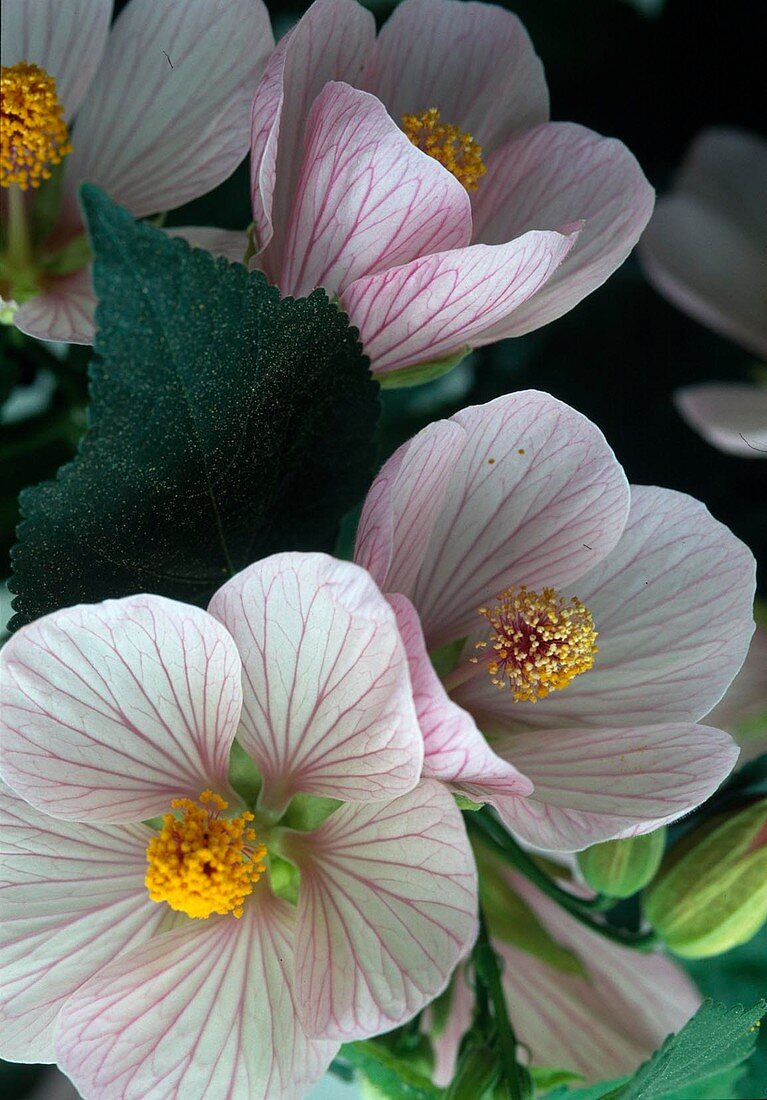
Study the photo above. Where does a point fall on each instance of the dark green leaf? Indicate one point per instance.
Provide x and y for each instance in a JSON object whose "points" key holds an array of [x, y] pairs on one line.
{"points": [[388, 1074], [225, 424]]}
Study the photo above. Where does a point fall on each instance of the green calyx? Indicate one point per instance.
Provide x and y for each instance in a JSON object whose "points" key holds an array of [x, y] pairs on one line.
{"points": [[619, 868], [422, 372], [711, 892]]}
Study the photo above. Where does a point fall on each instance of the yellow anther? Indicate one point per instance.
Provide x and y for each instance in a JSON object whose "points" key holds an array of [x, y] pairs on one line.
{"points": [[455, 149], [201, 863], [34, 134], [538, 643]]}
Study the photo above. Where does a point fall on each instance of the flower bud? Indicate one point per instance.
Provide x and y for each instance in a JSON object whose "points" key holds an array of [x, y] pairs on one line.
{"points": [[711, 892], [619, 868]]}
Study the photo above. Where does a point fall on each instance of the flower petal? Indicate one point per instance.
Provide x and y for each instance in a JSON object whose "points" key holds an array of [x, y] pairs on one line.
{"points": [[67, 40], [455, 750], [73, 899], [203, 1011], [433, 306], [327, 701], [731, 416], [329, 42], [597, 784], [113, 709], [704, 248], [743, 710], [63, 312], [366, 199], [536, 495], [673, 607], [229, 243], [474, 62], [167, 118], [387, 908], [403, 505], [553, 177]]}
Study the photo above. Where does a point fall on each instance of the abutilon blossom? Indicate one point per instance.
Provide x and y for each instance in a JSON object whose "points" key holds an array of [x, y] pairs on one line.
{"points": [[591, 1006], [416, 177], [705, 250], [581, 628], [160, 105], [150, 950]]}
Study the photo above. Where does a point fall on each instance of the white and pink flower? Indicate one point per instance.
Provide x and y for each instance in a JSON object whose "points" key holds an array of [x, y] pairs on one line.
{"points": [[505, 538], [119, 712], [705, 250], [417, 177], [161, 106]]}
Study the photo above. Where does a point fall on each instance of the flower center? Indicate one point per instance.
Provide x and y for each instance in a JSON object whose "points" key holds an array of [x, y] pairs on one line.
{"points": [[539, 642], [34, 133], [201, 863], [453, 148]]}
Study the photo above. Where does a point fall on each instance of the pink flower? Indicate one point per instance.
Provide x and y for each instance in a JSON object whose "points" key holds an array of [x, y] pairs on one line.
{"points": [[161, 104], [593, 1007], [706, 251], [120, 712], [417, 177], [506, 537]]}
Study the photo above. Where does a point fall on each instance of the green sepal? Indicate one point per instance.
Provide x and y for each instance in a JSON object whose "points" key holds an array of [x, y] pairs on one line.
{"points": [[244, 776], [463, 802], [619, 868], [308, 811], [422, 372], [72, 257], [284, 878], [446, 657]]}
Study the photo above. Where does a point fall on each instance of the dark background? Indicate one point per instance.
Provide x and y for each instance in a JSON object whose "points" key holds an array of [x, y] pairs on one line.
{"points": [[654, 82]]}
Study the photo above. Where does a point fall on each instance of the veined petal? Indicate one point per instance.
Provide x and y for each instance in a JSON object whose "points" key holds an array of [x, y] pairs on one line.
{"points": [[673, 607], [535, 497], [387, 908], [327, 701], [329, 42], [111, 710], [64, 311], [455, 750], [403, 505], [366, 198], [474, 62], [67, 40], [168, 115], [229, 243], [554, 176], [205, 1010], [73, 898], [433, 306], [597, 784], [731, 416], [742, 712]]}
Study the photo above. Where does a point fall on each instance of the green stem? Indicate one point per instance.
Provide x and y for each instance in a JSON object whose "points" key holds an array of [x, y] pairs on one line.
{"points": [[495, 835], [19, 247], [489, 976]]}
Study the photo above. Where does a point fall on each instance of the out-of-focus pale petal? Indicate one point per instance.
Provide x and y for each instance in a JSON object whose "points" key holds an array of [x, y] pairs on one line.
{"points": [[111, 710], [403, 504], [673, 607], [65, 39], [330, 42], [386, 910], [434, 306], [535, 496], [455, 750], [596, 784], [168, 114], [229, 243], [743, 710], [327, 701], [553, 177], [64, 311], [603, 1023], [366, 199], [73, 898], [206, 1010], [474, 62], [731, 416], [703, 263]]}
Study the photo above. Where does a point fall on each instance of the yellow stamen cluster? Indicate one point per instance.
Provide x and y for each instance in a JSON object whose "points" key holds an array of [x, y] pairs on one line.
{"points": [[539, 642], [456, 150], [33, 135], [201, 863]]}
